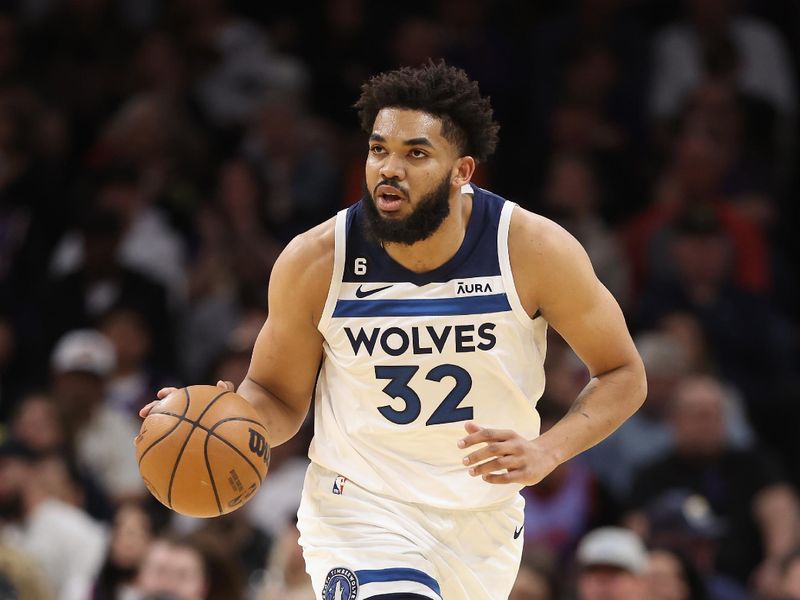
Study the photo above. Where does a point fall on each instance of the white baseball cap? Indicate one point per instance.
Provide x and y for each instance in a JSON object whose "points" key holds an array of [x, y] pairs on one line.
{"points": [[84, 350], [613, 547]]}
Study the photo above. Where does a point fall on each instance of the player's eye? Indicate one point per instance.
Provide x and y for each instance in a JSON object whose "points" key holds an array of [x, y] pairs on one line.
{"points": [[376, 149], [417, 153]]}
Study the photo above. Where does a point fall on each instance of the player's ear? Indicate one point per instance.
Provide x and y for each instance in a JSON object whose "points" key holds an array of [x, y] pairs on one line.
{"points": [[463, 170]]}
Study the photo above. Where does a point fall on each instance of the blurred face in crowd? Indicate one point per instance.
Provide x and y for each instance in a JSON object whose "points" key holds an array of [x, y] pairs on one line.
{"points": [[129, 334], [702, 258], [571, 190], [175, 570], [131, 536], [665, 580], [609, 583], [698, 417], [37, 424], [77, 393], [408, 176]]}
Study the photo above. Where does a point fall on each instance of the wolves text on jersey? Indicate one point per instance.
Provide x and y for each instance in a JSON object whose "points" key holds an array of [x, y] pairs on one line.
{"points": [[396, 341]]}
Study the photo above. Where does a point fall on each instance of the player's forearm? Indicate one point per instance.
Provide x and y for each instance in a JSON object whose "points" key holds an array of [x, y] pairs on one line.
{"points": [[602, 406], [281, 419]]}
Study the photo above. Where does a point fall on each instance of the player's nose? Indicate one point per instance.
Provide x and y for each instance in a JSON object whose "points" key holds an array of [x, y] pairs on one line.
{"points": [[392, 167]]}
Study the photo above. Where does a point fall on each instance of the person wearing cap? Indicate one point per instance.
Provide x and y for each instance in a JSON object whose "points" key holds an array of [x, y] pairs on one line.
{"points": [[745, 487], [80, 365], [611, 562]]}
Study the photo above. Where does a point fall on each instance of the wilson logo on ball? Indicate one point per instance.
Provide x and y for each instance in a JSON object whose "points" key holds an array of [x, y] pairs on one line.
{"points": [[258, 445]]}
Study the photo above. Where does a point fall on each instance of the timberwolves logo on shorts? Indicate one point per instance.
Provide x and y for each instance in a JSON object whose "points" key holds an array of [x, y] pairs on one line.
{"points": [[340, 584]]}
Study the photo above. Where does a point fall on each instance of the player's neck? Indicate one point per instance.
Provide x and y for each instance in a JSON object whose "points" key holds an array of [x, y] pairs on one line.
{"points": [[433, 252]]}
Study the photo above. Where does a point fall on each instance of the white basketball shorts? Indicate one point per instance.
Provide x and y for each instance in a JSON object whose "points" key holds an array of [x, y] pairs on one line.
{"points": [[358, 545]]}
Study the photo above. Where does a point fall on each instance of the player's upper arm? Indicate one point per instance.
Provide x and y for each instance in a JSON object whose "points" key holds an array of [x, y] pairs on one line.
{"points": [[553, 275], [288, 350]]}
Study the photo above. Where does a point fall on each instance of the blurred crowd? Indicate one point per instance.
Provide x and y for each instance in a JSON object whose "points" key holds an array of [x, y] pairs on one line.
{"points": [[156, 156]]}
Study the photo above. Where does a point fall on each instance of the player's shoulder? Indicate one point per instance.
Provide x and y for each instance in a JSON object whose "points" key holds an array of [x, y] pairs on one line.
{"points": [[307, 260], [537, 236], [313, 248]]}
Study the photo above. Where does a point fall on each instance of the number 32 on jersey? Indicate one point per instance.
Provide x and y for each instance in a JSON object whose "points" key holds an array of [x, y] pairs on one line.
{"points": [[399, 387]]}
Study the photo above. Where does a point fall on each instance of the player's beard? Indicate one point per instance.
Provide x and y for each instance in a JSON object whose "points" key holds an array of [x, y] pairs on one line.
{"points": [[430, 212]]}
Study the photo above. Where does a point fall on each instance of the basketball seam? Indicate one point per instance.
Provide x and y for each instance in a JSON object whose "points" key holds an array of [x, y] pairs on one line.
{"points": [[211, 433], [211, 474], [239, 452], [168, 433], [186, 441]]}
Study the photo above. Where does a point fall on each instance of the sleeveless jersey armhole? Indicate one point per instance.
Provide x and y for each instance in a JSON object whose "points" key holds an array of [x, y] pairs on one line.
{"points": [[340, 235], [505, 266]]}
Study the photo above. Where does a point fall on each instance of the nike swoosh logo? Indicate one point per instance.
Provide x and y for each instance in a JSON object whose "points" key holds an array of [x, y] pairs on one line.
{"points": [[364, 293], [517, 531]]}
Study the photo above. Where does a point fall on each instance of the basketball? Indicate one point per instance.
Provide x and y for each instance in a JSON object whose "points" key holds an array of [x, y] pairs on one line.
{"points": [[203, 451]]}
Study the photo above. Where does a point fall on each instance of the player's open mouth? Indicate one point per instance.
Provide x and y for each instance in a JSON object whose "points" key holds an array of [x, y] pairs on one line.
{"points": [[388, 198]]}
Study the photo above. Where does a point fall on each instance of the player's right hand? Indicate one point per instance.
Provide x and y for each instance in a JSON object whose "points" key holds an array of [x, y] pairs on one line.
{"points": [[166, 391]]}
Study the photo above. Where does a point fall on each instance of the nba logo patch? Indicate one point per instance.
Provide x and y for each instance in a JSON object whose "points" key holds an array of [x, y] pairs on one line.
{"points": [[340, 584], [338, 485]]}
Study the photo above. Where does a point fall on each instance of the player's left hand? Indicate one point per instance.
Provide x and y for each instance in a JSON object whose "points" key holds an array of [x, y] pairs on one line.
{"points": [[523, 460]]}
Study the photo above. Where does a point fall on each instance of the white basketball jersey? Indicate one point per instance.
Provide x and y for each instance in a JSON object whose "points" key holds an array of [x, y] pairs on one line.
{"points": [[409, 357]]}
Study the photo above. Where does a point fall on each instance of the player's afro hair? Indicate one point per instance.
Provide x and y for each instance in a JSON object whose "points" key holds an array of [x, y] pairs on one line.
{"points": [[439, 90]]}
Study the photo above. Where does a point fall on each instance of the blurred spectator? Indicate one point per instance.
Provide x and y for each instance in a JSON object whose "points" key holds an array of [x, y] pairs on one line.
{"points": [[683, 523], [690, 188], [757, 360], [131, 534], [612, 563], [101, 282], [31, 218], [64, 540], [238, 67], [536, 579], [235, 536], [81, 363], [20, 577], [180, 568], [147, 242], [37, 422], [286, 577], [294, 154], [135, 377], [670, 576], [743, 486], [646, 436], [684, 52], [572, 198]]}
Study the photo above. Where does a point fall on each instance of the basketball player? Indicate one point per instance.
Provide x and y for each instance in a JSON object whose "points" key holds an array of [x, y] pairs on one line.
{"points": [[419, 317]]}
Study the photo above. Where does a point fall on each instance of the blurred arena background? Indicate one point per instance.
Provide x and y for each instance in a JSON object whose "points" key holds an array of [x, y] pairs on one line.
{"points": [[155, 157]]}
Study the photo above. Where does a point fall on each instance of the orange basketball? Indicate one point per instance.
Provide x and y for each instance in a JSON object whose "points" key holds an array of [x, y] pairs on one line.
{"points": [[202, 451]]}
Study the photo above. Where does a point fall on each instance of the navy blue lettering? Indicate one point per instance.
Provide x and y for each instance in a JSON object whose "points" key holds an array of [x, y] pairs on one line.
{"points": [[439, 341], [485, 333], [403, 341], [462, 338], [415, 345], [362, 339]]}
